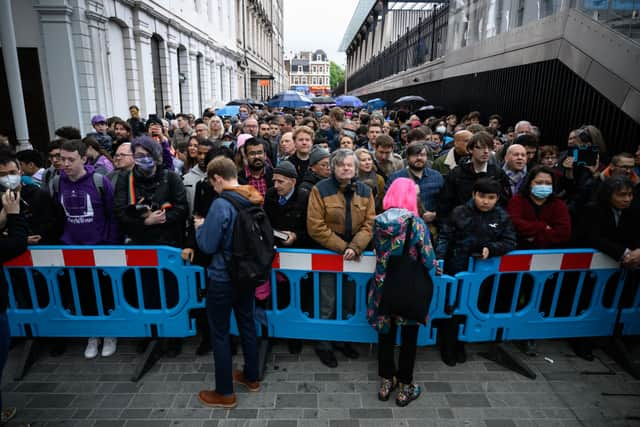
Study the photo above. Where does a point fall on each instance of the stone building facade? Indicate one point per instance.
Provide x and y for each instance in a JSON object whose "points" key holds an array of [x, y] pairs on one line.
{"points": [[84, 57], [260, 41]]}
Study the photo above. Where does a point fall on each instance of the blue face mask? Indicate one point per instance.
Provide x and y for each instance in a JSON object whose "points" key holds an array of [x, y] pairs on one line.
{"points": [[146, 164], [541, 191], [226, 143], [243, 115]]}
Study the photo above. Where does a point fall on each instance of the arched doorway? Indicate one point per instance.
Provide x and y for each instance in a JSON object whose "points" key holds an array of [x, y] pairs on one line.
{"points": [[156, 52]]}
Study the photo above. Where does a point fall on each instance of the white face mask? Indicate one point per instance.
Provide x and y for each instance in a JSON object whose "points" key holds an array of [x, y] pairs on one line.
{"points": [[441, 129], [10, 182]]}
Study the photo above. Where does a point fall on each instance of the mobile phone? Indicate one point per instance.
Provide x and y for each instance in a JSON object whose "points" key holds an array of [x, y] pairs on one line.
{"points": [[280, 235], [587, 156]]}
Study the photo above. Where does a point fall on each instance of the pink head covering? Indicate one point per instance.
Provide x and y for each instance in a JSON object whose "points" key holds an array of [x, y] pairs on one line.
{"points": [[242, 138], [402, 194]]}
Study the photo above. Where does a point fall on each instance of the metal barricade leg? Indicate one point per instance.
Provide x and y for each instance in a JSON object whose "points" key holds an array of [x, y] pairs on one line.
{"points": [[499, 354], [148, 359]]}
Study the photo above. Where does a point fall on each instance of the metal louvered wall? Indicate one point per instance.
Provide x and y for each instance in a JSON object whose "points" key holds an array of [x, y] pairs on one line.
{"points": [[547, 93]]}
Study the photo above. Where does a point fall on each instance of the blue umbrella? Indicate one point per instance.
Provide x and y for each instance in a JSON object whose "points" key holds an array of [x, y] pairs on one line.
{"points": [[229, 110], [349, 101], [289, 99], [375, 104]]}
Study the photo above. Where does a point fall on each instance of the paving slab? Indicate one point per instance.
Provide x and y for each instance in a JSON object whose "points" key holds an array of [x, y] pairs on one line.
{"points": [[298, 391]]}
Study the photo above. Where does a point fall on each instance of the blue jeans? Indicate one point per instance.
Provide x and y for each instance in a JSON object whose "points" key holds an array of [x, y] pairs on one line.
{"points": [[4, 344], [221, 298]]}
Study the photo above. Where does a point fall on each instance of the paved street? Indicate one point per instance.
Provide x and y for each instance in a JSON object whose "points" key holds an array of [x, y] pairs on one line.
{"points": [[300, 391]]}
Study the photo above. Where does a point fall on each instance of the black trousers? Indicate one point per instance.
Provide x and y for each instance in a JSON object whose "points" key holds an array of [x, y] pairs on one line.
{"points": [[408, 346]]}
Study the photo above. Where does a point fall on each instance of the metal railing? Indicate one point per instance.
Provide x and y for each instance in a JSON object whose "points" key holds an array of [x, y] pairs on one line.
{"points": [[423, 43]]}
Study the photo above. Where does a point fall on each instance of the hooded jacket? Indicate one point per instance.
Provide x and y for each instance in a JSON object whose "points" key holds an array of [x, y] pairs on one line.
{"points": [[215, 236], [390, 237], [11, 246], [89, 218], [340, 216], [468, 230]]}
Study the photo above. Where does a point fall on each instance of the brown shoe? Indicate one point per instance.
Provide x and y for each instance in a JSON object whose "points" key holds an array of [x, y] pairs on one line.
{"points": [[214, 399], [238, 376]]}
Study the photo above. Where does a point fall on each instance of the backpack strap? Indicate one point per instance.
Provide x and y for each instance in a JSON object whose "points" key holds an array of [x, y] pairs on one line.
{"points": [[54, 186], [236, 204]]}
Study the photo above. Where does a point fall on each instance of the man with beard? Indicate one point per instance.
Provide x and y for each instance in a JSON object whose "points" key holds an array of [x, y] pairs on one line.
{"points": [[515, 166], [387, 162], [122, 132], [459, 182], [428, 180], [257, 173], [196, 173]]}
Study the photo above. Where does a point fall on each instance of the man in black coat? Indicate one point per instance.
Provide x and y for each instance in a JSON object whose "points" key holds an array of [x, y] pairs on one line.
{"points": [[459, 182], [11, 246], [286, 207]]}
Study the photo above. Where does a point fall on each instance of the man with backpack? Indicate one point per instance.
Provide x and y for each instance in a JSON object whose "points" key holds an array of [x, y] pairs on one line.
{"points": [[240, 260]]}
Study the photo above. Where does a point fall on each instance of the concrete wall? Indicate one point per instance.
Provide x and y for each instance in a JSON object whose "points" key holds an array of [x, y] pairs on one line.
{"points": [[606, 60]]}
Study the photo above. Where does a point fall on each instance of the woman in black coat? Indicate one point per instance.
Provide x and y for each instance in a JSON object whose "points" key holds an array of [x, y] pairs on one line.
{"points": [[610, 225]]}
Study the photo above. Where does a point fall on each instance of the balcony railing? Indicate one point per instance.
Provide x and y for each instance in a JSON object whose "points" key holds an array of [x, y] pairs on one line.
{"points": [[425, 42]]}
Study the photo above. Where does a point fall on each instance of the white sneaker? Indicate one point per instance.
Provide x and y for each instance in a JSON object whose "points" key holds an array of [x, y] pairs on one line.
{"points": [[92, 348], [109, 346]]}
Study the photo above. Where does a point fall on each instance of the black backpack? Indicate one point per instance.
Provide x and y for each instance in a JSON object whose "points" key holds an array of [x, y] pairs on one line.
{"points": [[408, 288], [252, 247]]}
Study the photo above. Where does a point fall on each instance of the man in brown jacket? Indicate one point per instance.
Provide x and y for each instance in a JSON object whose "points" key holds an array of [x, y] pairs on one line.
{"points": [[340, 217]]}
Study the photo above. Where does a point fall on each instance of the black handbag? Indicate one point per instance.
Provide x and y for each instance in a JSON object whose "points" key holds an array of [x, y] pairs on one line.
{"points": [[408, 288]]}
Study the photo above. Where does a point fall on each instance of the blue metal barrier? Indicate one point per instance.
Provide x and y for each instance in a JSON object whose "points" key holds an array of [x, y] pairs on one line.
{"points": [[137, 291], [296, 297], [112, 291], [539, 295]]}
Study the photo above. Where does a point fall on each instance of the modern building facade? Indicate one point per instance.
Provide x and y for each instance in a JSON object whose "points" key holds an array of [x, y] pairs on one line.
{"points": [[78, 58], [558, 63], [260, 41], [309, 72]]}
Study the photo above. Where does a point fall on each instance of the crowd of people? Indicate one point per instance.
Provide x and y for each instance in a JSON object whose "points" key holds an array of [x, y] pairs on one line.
{"points": [[332, 178]]}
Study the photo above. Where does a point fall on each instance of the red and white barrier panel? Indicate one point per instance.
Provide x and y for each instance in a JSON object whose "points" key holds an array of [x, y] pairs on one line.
{"points": [[86, 258], [557, 262], [323, 262]]}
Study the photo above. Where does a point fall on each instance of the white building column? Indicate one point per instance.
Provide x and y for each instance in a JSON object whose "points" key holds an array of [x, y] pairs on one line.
{"points": [[145, 71], [173, 79], [131, 66], [12, 70], [96, 23], [193, 72], [60, 60]]}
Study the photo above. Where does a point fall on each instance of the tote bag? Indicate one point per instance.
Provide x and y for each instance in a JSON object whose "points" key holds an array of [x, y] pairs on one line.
{"points": [[408, 288]]}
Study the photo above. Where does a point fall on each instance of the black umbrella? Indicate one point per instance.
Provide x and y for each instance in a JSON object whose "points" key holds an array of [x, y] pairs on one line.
{"points": [[323, 100], [429, 110], [411, 99], [247, 101]]}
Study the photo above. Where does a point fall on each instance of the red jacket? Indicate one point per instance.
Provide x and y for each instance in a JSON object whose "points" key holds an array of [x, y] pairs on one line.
{"points": [[532, 228]]}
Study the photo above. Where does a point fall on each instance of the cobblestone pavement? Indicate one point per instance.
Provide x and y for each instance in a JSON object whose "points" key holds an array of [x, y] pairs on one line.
{"points": [[299, 391]]}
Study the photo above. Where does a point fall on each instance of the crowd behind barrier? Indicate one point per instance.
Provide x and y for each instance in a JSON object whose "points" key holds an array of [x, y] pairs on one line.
{"points": [[540, 294]]}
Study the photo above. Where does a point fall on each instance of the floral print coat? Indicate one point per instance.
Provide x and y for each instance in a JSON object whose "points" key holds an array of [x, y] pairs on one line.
{"points": [[389, 234]]}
